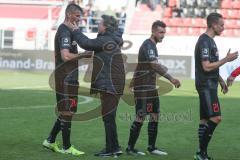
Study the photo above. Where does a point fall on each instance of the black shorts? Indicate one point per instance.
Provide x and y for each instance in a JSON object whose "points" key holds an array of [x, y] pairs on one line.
{"points": [[147, 105], [67, 97], [209, 103]]}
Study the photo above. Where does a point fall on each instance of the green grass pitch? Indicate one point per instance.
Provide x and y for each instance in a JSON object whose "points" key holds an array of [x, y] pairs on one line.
{"points": [[27, 115]]}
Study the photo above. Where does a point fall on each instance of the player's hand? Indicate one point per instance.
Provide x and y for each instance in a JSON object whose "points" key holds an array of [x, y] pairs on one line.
{"points": [[175, 82], [85, 55], [131, 85], [231, 56], [230, 80], [224, 87], [73, 26], [88, 54]]}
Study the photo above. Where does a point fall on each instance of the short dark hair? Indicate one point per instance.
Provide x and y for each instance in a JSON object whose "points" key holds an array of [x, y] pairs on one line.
{"points": [[158, 24], [72, 7], [213, 18], [110, 23]]}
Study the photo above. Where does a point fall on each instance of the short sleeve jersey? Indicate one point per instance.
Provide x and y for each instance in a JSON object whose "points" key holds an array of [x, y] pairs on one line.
{"points": [[205, 50], [64, 40], [145, 75]]}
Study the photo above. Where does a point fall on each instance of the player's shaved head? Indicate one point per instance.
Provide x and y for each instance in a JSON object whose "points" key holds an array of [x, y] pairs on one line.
{"points": [[73, 8], [158, 31], [73, 13], [157, 24], [213, 18]]}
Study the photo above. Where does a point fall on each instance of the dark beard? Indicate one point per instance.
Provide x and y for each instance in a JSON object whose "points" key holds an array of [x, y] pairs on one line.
{"points": [[156, 40], [216, 33]]}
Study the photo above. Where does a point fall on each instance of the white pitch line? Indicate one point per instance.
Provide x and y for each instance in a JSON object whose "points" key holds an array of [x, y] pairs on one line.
{"points": [[85, 101], [29, 87], [31, 107]]}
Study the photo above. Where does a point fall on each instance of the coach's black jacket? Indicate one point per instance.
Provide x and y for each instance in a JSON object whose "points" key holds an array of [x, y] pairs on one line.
{"points": [[108, 67]]}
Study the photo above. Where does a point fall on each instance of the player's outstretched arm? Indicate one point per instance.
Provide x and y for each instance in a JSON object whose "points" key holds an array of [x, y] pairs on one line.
{"points": [[208, 66], [82, 40], [67, 55]]}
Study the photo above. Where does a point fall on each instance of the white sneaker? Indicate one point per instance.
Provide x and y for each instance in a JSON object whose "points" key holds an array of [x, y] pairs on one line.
{"points": [[134, 152], [158, 152]]}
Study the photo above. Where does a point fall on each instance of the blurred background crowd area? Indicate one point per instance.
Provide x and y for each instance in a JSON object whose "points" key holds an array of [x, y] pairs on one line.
{"points": [[34, 22]]}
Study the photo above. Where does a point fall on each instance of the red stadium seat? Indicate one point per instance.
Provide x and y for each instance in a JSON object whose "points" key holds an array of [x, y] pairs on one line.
{"points": [[183, 31], [202, 30], [158, 8], [167, 21], [141, 22], [172, 3], [26, 11], [224, 13], [144, 7], [226, 4], [236, 4], [155, 16], [172, 31], [194, 31], [238, 23], [168, 12], [236, 32], [187, 22], [234, 13], [177, 22], [199, 22], [229, 33], [229, 24]]}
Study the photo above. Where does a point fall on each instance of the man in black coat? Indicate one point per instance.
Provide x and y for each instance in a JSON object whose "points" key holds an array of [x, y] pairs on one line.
{"points": [[108, 75]]}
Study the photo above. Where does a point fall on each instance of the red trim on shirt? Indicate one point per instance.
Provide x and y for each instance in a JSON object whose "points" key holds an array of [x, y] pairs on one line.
{"points": [[236, 72]]}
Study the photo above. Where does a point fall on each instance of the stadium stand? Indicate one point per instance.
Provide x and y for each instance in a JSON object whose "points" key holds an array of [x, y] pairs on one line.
{"points": [[187, 17], [183, 17], [26, 11]]}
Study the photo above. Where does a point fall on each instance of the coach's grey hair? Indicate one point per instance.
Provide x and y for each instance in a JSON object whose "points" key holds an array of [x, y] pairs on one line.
{"points": [[110, 23]]}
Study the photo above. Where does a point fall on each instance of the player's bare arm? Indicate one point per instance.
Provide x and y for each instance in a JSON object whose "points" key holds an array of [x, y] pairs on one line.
{"points": [[230, 80], [162, 70], [224, 87], [208, 66], [66, 55]]}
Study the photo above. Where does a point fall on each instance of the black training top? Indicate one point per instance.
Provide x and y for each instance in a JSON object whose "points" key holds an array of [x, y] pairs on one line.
{"points": [[205, 50], [68, 70], [108, 73], [145, 75]]}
